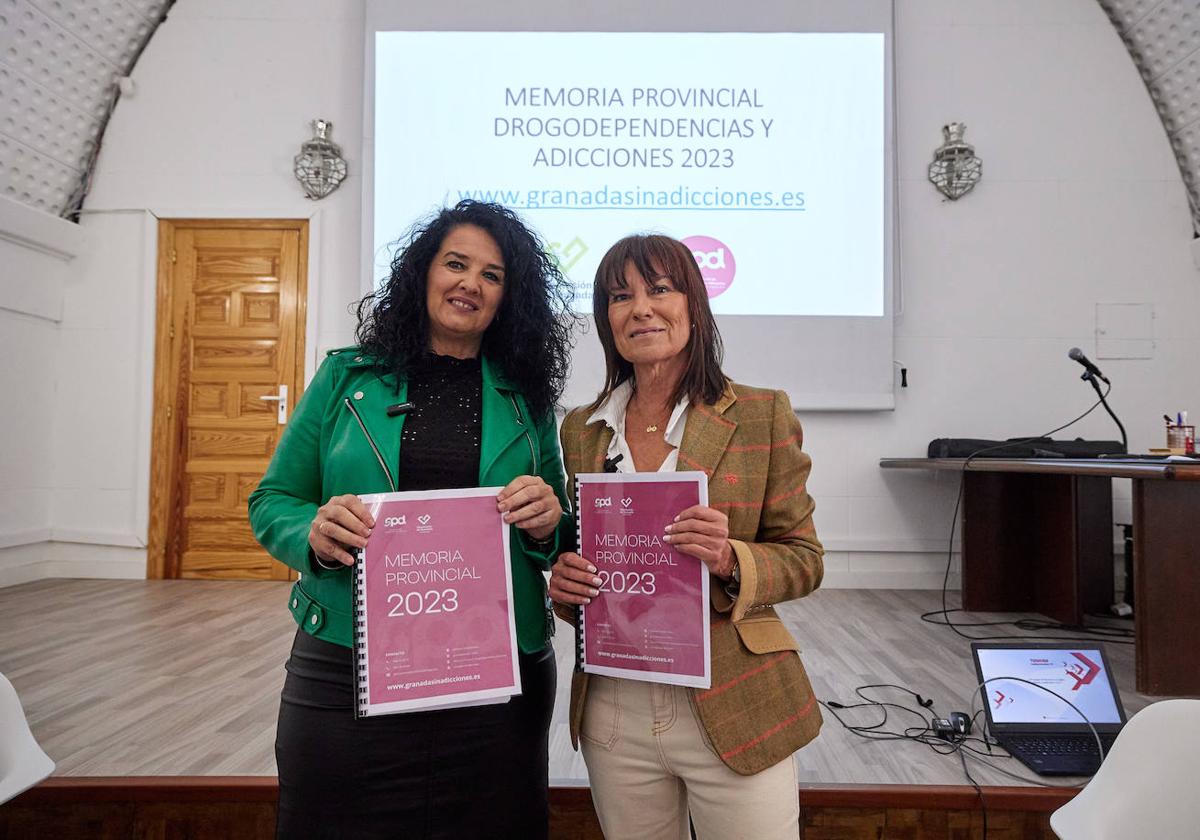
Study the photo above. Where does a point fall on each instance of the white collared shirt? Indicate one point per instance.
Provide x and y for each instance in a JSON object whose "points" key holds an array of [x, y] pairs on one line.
{"points": [[612, 412]]}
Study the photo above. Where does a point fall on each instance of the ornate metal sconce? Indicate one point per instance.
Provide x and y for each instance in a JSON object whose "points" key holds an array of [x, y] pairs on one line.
{"points": [[955, 169], [320, 167]]}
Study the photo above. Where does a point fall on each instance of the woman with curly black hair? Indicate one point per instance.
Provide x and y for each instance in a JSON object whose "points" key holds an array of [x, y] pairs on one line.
{"points": [[462, 355]]}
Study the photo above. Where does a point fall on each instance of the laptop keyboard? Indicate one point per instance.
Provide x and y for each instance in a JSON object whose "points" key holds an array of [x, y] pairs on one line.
{"points": [[1081, 745]]}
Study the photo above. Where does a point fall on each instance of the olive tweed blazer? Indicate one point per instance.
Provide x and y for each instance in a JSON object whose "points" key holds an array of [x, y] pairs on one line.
{"points": [[760, 708]]}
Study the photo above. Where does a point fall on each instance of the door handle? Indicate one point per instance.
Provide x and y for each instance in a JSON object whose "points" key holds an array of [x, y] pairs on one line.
{"points": [[281, 401]]}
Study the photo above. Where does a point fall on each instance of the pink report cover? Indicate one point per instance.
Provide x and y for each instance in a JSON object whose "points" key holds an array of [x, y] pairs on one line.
{"points": [[434, 624], [651, 619]]}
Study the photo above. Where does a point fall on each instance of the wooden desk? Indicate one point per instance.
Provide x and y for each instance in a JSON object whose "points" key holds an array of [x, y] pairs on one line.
{"points": [[1037, 536]]}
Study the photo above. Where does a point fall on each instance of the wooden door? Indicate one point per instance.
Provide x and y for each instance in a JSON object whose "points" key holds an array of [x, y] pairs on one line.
{"points": [[231, 310]]}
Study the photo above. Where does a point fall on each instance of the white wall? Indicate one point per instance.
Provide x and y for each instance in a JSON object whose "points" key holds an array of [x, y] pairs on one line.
{"points": [[36, 256], [101, 435], [223, 98], [1081, 203]]}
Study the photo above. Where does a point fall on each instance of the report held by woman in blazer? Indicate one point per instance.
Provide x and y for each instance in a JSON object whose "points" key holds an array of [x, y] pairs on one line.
{"points": [[659, 753]]}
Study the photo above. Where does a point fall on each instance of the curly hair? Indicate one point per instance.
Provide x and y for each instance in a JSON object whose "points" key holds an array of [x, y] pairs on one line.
{"points": [[529, 340]]}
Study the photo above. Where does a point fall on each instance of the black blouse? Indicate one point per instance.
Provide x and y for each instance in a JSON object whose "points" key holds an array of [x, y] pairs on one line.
{"points": [[439, 447]]}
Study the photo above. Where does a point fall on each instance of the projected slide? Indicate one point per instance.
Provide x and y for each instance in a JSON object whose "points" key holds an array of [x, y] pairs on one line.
{"points": [[763, 152], [1077, 675]]}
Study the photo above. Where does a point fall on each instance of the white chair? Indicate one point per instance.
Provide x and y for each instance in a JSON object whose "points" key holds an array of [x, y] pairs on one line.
{"points": [[1147, 786], [22, 762]]}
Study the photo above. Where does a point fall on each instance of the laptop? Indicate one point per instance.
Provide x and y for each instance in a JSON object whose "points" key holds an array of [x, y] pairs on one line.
{"points": [[1046, 734]]}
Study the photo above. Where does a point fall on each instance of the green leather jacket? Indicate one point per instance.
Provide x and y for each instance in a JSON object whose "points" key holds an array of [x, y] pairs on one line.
{"points": [[341, 440]]}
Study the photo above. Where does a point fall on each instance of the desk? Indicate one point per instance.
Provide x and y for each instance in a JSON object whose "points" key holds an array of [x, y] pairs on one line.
{"points": [[1037, 536]]}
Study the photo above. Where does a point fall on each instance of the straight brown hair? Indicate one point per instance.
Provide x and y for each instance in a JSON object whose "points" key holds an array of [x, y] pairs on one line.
{"points": [[656, 256]]}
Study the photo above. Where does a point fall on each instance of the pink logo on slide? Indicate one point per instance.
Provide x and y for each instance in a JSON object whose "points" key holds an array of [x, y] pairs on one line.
{"points": [[715, 261], [1083, 671]]}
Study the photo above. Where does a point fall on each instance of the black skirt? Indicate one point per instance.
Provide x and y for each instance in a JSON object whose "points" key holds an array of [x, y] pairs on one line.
{"points": [[474, 772]]}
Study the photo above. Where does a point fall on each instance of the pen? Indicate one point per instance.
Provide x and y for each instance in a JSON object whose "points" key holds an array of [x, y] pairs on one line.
{"points": [[1179, 418], [1167, 417]]}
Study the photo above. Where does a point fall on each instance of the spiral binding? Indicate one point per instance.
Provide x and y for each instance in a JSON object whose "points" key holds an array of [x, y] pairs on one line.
{"points": [[359, 625], [579, 618]]}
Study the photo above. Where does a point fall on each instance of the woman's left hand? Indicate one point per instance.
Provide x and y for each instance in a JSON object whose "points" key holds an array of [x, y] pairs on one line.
{"points": [[703, 532], [529, 503]]}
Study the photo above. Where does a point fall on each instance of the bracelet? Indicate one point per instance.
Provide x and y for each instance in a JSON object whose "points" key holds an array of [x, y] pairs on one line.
{"points": [[540, 544], [325, 565]]}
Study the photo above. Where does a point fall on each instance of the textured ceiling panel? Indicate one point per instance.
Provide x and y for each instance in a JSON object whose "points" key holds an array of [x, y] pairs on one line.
{"points": [[1127, 13], [1163, 37], [59, 62]]}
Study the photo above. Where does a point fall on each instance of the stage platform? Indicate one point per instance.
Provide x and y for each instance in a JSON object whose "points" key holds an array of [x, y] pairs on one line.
{"points": [[167, 691]]}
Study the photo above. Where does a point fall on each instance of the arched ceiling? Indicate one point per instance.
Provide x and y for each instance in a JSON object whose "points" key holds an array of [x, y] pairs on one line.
{"points": [[60, 61], [59, 65], [1163, 37]]}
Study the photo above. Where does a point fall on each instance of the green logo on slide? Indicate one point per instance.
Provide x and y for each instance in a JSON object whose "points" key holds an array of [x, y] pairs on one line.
{"points": [[570, 255]]}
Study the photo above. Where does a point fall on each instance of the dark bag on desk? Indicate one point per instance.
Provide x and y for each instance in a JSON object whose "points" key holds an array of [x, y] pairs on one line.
{"points": [[1023, 448]]}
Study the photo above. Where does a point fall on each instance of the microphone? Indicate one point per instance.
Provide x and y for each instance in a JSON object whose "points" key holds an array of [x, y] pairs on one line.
{"points": [[1077, 354], [610, 464], [399, 408]]}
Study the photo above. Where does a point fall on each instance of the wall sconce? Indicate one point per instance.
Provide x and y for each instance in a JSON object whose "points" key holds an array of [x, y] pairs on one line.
{"points": [[320, 167], [955, 169]]}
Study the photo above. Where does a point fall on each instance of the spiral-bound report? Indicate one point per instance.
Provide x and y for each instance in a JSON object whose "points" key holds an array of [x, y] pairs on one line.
{"points": [[433, 604], [651, 619]]}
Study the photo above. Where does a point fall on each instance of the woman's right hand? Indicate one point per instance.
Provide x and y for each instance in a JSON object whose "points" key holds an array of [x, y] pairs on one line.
{"points": [[341, 523], [573, 580]]}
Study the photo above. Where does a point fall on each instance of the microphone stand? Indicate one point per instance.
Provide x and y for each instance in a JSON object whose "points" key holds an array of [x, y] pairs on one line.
{"points": [[1089, 377]]}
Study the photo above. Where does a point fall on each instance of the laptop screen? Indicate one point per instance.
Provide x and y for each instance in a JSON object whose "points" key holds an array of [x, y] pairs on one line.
{"points": [[1079, 674]]}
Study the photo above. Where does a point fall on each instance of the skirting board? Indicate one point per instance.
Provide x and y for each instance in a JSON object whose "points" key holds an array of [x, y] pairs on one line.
{"points": [[843, 570], [22, 563], [860, 570], [879, 579], [39, 561]]}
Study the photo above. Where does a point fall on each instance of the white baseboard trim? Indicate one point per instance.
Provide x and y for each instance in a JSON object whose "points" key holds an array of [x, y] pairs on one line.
{"points": [[52, 560], [76, 560], [887, 545], [876, 579], [89, 537], [83, 536], [30, 536], [133, 568], [22, 563], [844, 569], [16, 575]]}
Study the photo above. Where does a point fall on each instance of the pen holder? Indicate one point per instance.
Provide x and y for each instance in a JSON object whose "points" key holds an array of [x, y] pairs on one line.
{"points": [[1181, 440]]}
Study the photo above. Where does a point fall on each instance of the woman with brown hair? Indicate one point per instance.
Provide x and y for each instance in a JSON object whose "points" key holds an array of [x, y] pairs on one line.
{"points": [[657, 753]]}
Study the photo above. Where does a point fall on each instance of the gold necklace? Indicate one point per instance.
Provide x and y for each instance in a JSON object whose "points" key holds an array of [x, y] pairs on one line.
{"points": [[653, 427]]}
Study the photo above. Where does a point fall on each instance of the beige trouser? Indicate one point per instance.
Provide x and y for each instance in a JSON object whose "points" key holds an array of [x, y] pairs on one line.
{"points": [[650, 764]]}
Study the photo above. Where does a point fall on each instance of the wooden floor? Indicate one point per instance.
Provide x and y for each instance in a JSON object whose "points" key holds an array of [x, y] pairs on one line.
{"points": [[182, 678]]}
